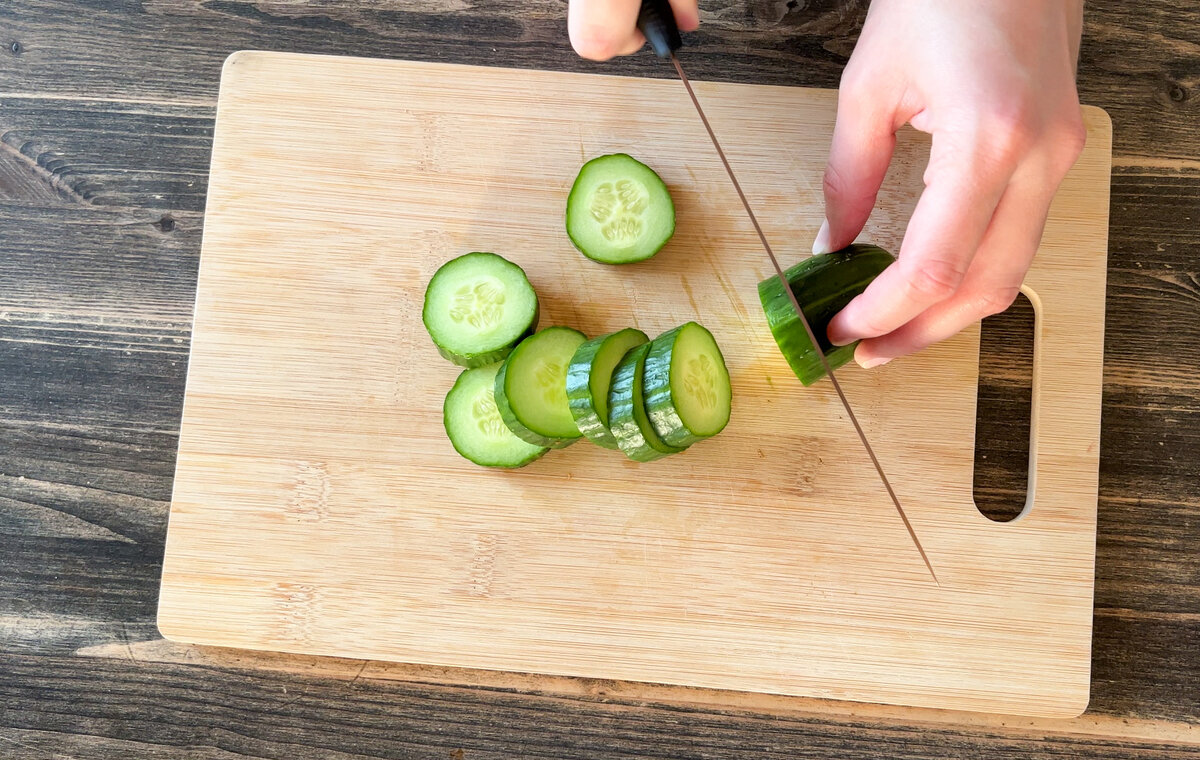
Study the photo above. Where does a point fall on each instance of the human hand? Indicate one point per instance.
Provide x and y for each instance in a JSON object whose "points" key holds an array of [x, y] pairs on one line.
{"points": [[993, 81], [601, 29]]}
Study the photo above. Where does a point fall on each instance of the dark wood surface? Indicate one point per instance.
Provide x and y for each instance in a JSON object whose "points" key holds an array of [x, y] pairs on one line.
{"points": [[106, 114]]}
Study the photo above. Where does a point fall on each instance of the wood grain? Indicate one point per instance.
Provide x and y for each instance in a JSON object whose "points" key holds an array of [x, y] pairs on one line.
{"points": [[318, 509], [141, 65]]}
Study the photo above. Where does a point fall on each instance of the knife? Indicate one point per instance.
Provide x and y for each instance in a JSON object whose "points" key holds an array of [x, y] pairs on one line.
{"points": [[657, 22]]}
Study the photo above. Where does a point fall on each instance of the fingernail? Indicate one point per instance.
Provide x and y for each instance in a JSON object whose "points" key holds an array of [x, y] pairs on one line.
{"points": [[878, 361], [821, 244]]}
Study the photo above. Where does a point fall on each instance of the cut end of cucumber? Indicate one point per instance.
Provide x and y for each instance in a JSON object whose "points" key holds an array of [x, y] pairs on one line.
{"points": [[474, 425], [619, 211], [478, 307], [823, 285], [531, 388], [700, 381], [688, 394]]}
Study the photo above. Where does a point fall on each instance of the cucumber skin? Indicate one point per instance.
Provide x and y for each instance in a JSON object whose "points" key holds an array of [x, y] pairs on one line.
{"points": [[571, 195], [445, 425], [514, 423], [638, 444], [656, 382], [579, 392], [482, 359], [823, 285]]}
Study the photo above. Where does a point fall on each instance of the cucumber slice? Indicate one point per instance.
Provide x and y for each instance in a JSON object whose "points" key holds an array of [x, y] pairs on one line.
{"points": [[687, 389], [478, 307], [627, 417], [588, 379], [619, 211], [531, 388], [823, 285], [474, 426]]}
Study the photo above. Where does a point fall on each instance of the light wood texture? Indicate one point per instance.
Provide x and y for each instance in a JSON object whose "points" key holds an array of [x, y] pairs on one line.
{"points": [[318, 507]]}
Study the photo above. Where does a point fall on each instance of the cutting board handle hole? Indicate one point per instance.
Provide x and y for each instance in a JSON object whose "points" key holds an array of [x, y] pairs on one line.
{"points": [[1003, 412]]}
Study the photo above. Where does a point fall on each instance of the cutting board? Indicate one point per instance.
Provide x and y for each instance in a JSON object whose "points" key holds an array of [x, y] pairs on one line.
{"points": [[318, 507]]}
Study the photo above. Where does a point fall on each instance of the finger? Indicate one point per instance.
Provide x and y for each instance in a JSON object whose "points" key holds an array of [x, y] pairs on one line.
{"points": [[864, 137], [687, 14], [963, 185], [992, 283], [602, 29]]}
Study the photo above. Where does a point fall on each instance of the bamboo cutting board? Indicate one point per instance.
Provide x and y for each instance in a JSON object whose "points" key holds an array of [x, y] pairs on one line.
{"points": [[319, 508]]}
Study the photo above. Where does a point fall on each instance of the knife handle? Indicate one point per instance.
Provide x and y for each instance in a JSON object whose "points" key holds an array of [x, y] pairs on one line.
{"points": [[656, 20]]}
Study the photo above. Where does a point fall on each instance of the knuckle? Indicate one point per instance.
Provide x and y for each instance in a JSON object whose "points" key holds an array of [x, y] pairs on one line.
{"points": [[1007, 137], [995, 301], [1069, 141], [837, 185], [833, 182], [595, 42], [853, 80], [935, 280]]}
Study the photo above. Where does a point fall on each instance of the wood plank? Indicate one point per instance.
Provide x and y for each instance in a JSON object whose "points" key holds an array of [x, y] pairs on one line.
{"points": [[265, 714]]}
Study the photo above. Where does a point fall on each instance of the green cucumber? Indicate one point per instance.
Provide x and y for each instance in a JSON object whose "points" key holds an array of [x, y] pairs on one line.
{"points": [[478, 307], [627, 418], [588, 379], [619, 211], [474, 426], [823, 286], [686, 385], [531, 388]]}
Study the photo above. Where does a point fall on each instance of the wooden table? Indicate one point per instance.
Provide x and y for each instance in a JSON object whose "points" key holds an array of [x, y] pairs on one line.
{"points": [[105, 128]]}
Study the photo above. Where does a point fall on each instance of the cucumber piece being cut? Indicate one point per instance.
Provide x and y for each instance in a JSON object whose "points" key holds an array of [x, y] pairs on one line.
{"points": [[619, 211], [588, 379], [478, 307], [823, 285], [474, 426], [686, 383], [627, 418], [531, 388]]}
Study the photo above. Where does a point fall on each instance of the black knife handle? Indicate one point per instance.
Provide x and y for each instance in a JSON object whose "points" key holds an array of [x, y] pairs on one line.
{"points": [[656, 20]]}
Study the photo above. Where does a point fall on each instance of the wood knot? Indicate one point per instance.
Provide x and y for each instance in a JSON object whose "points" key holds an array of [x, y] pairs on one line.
{"points": [[296, 603], [310, 493], [1177, 93], [165, 224], [483, 565]]}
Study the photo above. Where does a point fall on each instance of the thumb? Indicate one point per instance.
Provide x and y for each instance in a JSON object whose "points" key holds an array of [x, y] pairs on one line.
{"points": [[864, 138]]}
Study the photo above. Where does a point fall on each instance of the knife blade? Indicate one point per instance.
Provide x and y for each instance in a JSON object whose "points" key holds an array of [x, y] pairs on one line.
{"points": [[657, 22]]}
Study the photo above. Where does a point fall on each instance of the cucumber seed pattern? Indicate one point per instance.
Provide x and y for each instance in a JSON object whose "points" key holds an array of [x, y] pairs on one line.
{"points": [[700, 381], [618, 207], [487, 416], [481, 305], [553, 378]]}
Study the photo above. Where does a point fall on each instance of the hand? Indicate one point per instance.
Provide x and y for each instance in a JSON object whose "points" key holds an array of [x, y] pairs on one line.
{"points": [[993, 81], [601, 29]]}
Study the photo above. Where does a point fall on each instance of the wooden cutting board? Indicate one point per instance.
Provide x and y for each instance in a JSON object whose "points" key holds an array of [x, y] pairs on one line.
{"points": [[319, 508]]}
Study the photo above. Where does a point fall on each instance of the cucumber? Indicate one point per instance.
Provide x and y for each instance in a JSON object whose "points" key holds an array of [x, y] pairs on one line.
{"points": [[627, 418], [531, 388], [478, 307], [823, 285], [588, 379], [619, 211], [474, 426], [686, 385]]}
